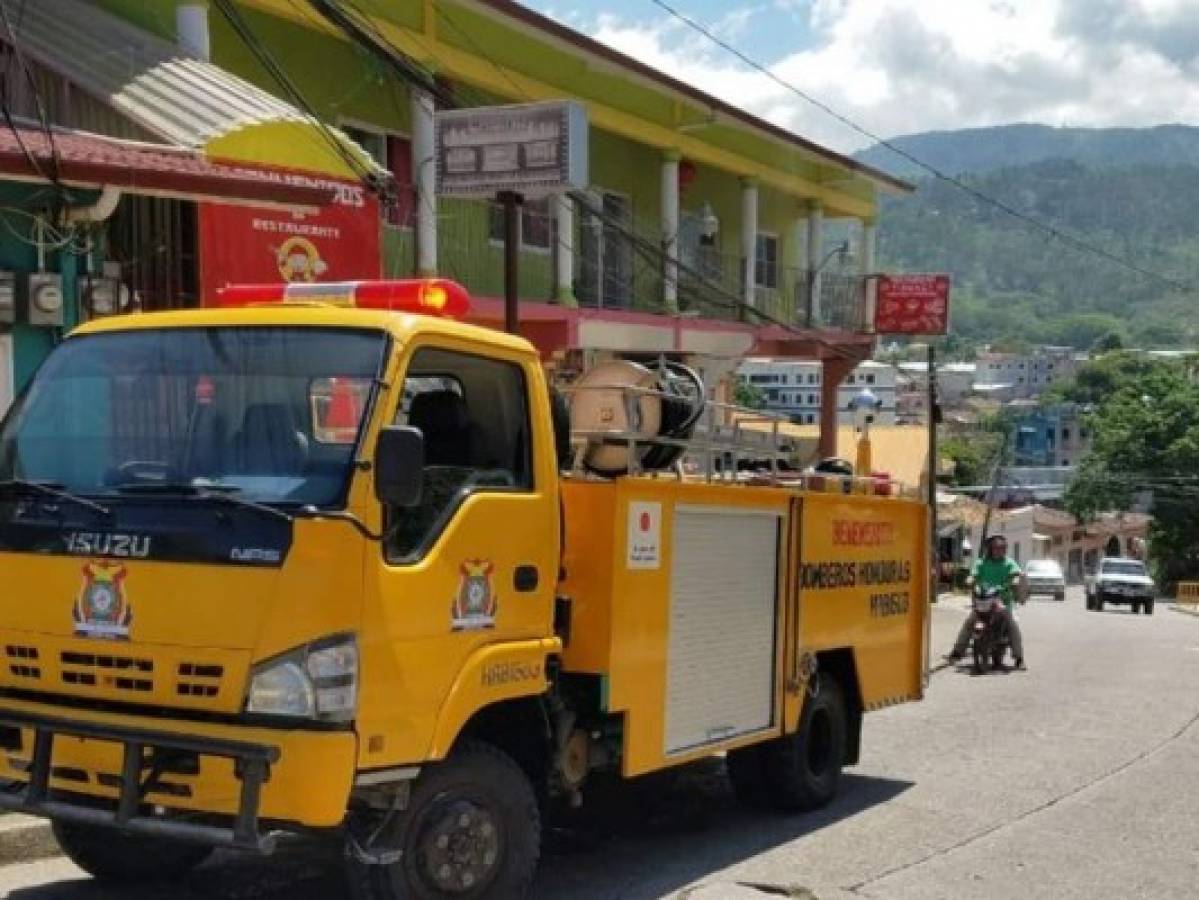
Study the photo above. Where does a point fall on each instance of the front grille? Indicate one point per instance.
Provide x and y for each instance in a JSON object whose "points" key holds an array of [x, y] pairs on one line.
{"points": [[199, 680], [22, 661], [125, 673], [207, 679]]}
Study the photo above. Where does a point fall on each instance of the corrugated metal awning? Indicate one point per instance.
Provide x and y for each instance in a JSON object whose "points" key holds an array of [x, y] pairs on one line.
{"points": [[184, 101], [93, 161]]}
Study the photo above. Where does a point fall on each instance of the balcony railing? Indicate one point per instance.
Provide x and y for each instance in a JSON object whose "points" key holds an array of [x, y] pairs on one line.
{"points": [[620, 265]]}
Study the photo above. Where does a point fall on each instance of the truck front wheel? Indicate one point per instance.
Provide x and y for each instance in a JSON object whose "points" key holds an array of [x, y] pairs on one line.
{"points": [[472, 829], [802, 771], [110, 855]]}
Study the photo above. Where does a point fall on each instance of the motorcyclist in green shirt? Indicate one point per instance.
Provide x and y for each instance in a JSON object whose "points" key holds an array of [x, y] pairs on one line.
{"points": [[995, 569]]}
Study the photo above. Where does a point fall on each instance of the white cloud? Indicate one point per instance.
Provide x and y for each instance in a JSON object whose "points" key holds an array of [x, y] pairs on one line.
{"points": [[899, 66]]}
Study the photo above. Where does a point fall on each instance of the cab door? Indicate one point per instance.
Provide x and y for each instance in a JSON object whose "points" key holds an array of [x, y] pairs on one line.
{"points": [[475, 564]]}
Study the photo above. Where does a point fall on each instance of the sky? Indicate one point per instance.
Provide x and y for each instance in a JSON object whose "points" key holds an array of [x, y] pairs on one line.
{"points": [[903, 66]]}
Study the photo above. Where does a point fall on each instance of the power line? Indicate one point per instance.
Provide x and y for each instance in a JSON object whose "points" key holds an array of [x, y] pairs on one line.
{"points": [[1044, 227], [53, 177], [268, 61], [378, 43]]}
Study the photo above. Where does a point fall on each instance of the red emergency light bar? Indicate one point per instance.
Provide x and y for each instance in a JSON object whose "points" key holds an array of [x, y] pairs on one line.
{"points": [[426, 296]]}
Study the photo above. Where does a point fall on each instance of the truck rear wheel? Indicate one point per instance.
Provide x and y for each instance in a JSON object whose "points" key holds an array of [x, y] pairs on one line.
{"points": [[110, 855], [472, 829], [746, 774], [802, 771]]}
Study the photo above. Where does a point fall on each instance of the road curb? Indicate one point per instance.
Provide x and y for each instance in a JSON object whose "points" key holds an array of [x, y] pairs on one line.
{"points": [[25, 839], [1193, 611]]}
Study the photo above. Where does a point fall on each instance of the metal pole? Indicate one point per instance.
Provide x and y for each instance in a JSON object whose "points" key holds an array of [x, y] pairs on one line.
{"points": [[932, 467], [995, 485], [511, 201]]}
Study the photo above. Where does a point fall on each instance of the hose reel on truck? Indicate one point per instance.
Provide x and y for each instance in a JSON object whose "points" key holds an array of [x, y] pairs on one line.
{"points": [[635, 417]]}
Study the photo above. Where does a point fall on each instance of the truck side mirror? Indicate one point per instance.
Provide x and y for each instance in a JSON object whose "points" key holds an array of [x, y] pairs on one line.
{"points": [[399, 466]]}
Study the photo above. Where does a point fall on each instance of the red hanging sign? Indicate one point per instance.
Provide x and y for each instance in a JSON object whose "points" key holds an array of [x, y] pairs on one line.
{"points": [[243, 244], [912, 304]]}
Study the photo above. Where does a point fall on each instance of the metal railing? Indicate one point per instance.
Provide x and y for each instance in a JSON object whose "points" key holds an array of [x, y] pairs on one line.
{"points": [[618, 263], [716, 452]]}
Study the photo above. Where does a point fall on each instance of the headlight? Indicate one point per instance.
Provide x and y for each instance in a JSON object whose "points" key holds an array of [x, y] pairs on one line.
{"points": [[317, 681]]}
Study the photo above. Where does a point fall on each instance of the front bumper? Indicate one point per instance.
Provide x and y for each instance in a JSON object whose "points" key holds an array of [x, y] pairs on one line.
{"points": [[1124, 595], [201, 782], [1046, 587]]}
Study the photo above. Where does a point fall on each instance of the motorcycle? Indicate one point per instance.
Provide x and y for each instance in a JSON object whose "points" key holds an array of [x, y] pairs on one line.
{"points": [[989, 640]]}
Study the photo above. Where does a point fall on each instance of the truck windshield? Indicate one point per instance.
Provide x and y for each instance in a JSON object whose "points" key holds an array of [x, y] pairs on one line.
{"points": [[272, 414], [1123, 568]]}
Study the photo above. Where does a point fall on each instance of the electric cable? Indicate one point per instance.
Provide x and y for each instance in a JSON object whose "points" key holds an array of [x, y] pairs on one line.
{"points": [[1044, 227]]}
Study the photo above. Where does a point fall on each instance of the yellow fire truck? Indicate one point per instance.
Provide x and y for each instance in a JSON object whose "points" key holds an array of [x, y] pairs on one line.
{"points": [[325, 559]]}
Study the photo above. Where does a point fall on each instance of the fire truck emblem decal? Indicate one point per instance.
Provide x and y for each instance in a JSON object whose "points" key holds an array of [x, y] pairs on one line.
{"points": [[475, 603], [102, 610]]}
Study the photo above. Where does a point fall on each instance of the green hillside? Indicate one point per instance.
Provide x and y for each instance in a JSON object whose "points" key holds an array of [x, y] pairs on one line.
{"points": [[1015, 284], [978, 150]]}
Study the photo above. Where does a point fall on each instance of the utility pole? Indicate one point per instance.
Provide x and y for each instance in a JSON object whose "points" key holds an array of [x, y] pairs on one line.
{"points": [[511, 202], [933, 418], [1007, 436]]}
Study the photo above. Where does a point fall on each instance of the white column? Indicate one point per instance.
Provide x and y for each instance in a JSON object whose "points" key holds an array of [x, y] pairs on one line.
{"points": [[670, 231], [798, 245], [191, 29], [564, 218], [869, 264], [815, 257], [424, 183], [749, 236]]}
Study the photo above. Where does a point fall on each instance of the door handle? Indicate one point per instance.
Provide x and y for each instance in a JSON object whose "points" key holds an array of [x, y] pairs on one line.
{"points": [[526, 579]]}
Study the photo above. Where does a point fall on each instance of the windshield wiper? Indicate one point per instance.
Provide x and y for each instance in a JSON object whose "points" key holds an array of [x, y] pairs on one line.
{"points": [[52, 490], [316, 515], [215, 493]]}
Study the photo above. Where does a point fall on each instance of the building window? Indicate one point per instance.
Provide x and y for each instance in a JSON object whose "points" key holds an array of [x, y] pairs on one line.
{"points": [[766, 261], [869, 379], [393, 152], [850, 380], [811, 419], [536, 225], [1065, 434]]}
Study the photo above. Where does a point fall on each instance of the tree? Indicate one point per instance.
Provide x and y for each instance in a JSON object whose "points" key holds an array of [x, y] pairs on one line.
{"points": [[749, 395], [973, 457], [1109, 342], [1146, 437]]}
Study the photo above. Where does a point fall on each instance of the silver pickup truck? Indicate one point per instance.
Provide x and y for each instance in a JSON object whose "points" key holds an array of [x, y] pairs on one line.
{"points": [[1121, 580]]}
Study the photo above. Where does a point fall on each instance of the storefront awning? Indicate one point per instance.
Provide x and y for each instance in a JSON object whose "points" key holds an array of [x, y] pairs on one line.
{"points": [[82, 160], [163, 94]]}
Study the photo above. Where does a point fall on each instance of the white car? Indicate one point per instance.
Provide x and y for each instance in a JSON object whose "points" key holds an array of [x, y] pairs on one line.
{"points": [[1121, 580], [1044, 576]]}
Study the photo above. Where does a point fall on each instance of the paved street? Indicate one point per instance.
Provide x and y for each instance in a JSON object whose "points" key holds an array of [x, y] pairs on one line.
{"points": [[1075, 779]]}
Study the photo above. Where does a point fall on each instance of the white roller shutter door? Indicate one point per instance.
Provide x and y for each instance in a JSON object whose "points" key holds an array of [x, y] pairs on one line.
{"points": [[724, 582]]}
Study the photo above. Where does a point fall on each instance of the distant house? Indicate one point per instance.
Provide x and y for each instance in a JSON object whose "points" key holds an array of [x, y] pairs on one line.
{"points": [[1026, 375], [1078, 547], [792, 387], [1053, 436]]}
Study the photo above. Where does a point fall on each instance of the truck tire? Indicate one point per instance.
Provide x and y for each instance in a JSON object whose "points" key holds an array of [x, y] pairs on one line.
{"points": [[117, 858], [1098, 603], [748, 776], [802, 771], [1147, 607], [471, 830]]}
